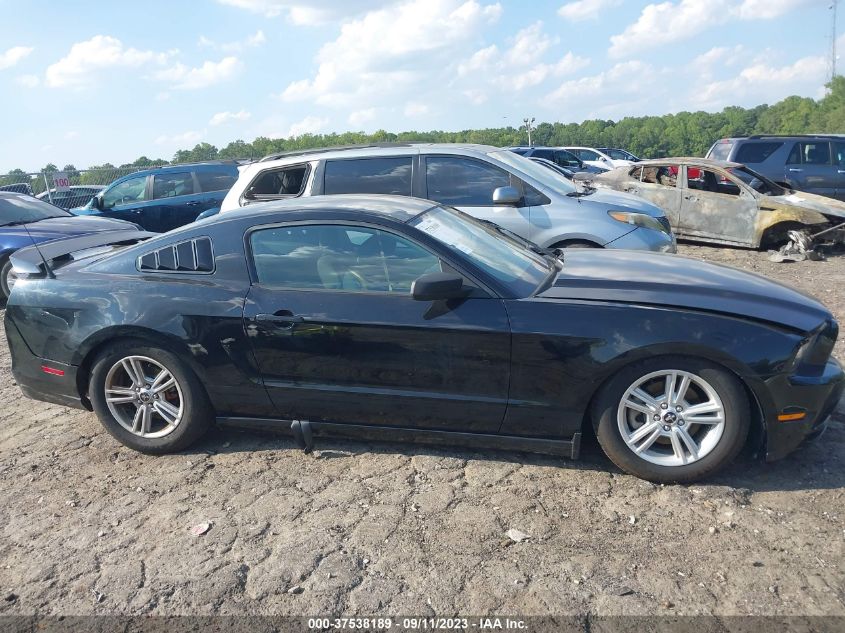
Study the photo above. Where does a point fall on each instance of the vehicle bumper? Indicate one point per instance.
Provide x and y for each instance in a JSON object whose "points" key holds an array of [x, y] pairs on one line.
{"points": [[644, 239], [815, 395], [39, 378]]}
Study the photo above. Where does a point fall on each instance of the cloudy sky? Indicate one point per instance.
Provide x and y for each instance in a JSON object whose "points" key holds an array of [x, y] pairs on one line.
{"points": [[86, 82]]}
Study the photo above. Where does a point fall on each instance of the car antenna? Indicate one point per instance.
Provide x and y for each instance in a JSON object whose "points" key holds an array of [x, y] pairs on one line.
{"points": [[47, 268]]}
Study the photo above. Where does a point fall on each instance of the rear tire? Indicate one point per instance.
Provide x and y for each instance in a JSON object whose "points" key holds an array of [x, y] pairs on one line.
{"points": [[155, 402], [5, 281], [676, 443]]}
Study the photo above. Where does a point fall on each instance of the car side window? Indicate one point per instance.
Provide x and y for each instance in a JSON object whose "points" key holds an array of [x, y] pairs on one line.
{"points": [[463, 182], [274, 184], [839, 154], [389, 175], [707, 180], [172, 184], [126, 192], [586, 154], [338, 258], [810, 153], [666, 175], [216, 180]]}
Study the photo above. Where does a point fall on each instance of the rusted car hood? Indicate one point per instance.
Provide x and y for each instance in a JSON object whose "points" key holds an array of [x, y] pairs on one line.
{"points": [[801, 200], [674, 281]]}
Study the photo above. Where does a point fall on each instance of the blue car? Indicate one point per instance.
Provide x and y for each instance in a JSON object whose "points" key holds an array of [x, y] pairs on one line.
{"points": [[164, 198], [25, 221]]}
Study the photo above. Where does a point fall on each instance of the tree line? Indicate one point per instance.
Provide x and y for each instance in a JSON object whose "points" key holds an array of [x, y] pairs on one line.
{"points": [[682, 134]]}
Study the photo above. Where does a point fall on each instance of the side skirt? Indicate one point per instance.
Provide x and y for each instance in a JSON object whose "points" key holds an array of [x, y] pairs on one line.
{"points": [[564, 448]]}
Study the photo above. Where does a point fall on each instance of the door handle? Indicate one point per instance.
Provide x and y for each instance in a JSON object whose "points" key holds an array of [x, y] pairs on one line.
{"points": [[192, 203], [793, 169], [691, 198], [282, 319], [840, 171], [633, 190]]}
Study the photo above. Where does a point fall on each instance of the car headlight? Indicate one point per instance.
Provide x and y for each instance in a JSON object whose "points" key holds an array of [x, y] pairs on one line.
{"points": [[641, 219], [815, 350]]}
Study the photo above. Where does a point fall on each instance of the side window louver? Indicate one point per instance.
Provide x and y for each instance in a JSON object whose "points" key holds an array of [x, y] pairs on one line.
{"points": [[191, 256]]}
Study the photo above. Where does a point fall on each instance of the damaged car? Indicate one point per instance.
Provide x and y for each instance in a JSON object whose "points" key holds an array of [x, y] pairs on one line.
{"points": [[727, 203]]}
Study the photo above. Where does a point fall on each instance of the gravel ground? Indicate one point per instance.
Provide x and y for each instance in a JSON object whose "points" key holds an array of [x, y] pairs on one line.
{"points": [[89, 527]]}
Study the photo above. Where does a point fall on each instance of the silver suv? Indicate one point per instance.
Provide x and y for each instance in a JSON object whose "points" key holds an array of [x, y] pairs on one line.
{"points": [[488, 183]]}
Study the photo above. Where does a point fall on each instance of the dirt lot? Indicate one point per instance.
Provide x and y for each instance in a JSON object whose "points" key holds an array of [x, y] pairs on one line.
{"points": [[91, 527]]}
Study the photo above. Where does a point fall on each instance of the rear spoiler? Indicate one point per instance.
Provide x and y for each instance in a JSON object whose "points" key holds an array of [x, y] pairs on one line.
{"points": [[36, 259]]}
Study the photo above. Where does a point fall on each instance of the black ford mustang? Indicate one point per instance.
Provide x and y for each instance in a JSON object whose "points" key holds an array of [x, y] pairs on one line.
{"points": [[398, 318]]}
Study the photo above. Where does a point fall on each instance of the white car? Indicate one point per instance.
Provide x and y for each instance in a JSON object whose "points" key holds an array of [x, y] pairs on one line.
{"points": [[592, 156]]}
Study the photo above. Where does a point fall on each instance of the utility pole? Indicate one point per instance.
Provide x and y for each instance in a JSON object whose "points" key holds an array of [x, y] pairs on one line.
{"points": [[834, 7], [528, 123]]}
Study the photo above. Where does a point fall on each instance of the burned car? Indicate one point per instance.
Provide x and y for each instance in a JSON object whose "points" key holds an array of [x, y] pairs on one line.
{"points": [[726, 203]]}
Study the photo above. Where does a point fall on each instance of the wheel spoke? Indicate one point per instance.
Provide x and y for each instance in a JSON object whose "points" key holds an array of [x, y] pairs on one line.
{"points": [[671, 379], [678, 398], [162, 382], [648, 442], [636, 406], [642, 395], [146, 419], [677, 448], [641, 432], [120, 395], [137, 421], [710, 419], [704, 407], [133, 369], [686, 438], [167, 411]]}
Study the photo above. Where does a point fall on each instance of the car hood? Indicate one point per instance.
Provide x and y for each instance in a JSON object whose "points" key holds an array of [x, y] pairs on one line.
{"points": [[674, 281], [620, 201], [822, 204], [57, 228]]}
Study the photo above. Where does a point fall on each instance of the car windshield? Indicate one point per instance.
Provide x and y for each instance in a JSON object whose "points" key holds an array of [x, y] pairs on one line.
{"points": [[506, 260], [548, 178], [756, 181], [618, 154], [21, 209]]}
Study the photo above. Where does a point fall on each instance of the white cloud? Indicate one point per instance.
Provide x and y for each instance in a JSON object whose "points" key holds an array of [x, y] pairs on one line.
{"points": [[414, 109], [519, 66], [71, 135], [308, 125], [406, 46], [251, 41], [225, 117], [585, 9], [27, 81], [308, 13], [360, 117], [12, 56], [762, 82], [85, 59], [182, 140], [209, 74], [671, 21]]}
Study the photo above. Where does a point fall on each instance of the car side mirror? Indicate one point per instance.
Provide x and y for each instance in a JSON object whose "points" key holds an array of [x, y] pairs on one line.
{"points": [[506, 196], [97, 203], [438, 286]]}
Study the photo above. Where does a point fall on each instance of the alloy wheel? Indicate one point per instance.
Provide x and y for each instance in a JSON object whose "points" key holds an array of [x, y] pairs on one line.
{"points": [[671, 417], [144, 396]]}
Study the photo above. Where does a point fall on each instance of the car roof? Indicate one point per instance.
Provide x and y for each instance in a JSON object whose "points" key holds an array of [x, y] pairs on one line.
{"points": [[376, 149], [400, 208], [686, 160], [182, 166], [760, 137]]}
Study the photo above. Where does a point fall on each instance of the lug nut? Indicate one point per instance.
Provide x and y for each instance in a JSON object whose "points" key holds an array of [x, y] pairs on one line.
{"points": [[656, 417], [664, 406], [666, 427], [679, 408], [680, 422]]}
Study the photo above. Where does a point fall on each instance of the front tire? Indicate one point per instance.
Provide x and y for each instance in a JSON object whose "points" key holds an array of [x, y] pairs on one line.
{"points": [[672, 419], [149, 399]]}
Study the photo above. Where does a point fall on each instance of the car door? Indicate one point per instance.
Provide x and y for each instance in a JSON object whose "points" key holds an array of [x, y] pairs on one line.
{"points": [[717, 206], [468, 184], [839, 163], [127, 200], [809, 168], [338, 337], [175, 202], [212, 185], [657, 183]]}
